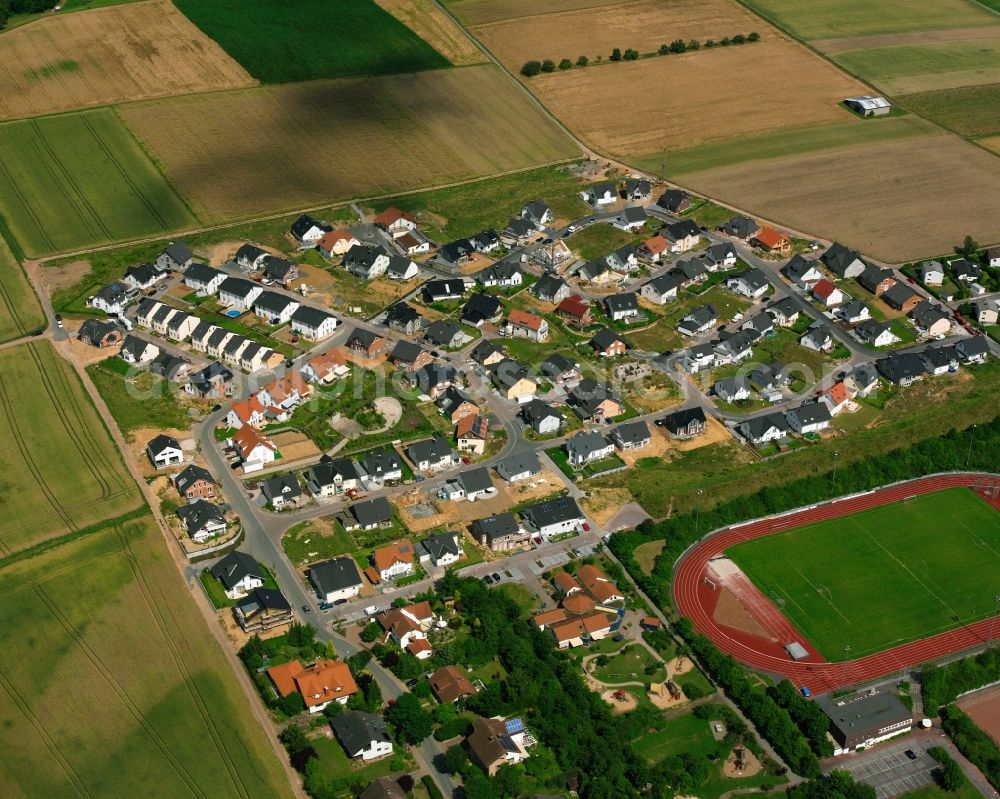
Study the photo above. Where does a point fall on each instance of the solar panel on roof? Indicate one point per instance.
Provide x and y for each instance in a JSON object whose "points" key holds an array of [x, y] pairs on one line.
{"points": [[513, 725]]}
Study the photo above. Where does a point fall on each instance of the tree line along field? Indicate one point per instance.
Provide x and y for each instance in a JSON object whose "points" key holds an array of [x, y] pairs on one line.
{"points": [[882, 577], [81, 180], [128, 52], [59, 471], [20, 312], [290, 146], [311, 39], [111, 685]]}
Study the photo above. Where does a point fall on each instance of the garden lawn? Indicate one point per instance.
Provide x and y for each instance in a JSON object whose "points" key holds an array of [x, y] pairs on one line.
{"points": [[629, 665], [684, 734], [281, 43], [599, 239], [309, 542], [882, 577]]}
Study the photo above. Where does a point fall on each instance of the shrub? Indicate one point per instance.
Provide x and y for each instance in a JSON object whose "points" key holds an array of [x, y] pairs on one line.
{"points": [[372, 632], [531, 68], [694, 44], [678, 46], [664, 49], [616, 54], [724, 41], [709, 43], [753, 37], [739, 38], [692, 690], [548, 65], [565, 64], [431, 787], [631, 55]]}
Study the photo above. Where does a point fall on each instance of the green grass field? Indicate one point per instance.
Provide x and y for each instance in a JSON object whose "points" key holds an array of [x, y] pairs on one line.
{"points": [[107, 662], [824, 19], [926, 67], [59, 471], [140, 401], [310, 39], [20, 312], [80, 180], [968, 110], [885, 576]]}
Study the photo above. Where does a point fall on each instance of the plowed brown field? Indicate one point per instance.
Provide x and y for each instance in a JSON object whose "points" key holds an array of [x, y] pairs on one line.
{"points": [[108, 55]]}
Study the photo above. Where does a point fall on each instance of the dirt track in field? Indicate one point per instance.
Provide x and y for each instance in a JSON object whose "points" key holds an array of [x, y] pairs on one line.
{"points": [[426, 19], [868, 197], [675, 101], [108, 55]]}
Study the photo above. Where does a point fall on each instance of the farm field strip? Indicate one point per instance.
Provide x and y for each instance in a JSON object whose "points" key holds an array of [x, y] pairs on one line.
{"points": [[128, 52], [60, 469], [969, 111], [434, 26], [884, 576], [153, 694], [20, 312], [477, 12], [313, 142], [81, 180]]}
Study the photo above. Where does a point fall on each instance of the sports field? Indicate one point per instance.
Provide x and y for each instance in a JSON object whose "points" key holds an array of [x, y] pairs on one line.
{"points": [[295, 145], [128, 52], [20, 313], [110, 685], [59, 470], [81, 180], [310, 39], [886, 576]]}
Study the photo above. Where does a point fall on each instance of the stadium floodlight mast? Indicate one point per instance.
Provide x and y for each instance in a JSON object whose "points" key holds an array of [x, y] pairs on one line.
{"points": [[993, 621], [847, 660], [972, 437], [836, 456], [697, 513]]}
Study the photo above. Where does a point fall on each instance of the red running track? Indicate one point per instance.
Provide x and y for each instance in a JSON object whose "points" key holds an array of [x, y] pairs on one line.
{"points": [[693, 601]]}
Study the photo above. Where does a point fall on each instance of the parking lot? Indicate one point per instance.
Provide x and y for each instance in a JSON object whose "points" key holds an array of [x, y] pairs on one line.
{"points": [[890, 770]]}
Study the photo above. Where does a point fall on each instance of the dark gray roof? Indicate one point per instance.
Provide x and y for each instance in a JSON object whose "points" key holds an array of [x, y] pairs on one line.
{"points": [[753, 277], [668, 281], [898, 293], [201, 330], [96, 329], [672, 199], [357, 730], [812, 412], [547, 286], [380, 462], [536, 410], [499, 524], [444, 288], [480, 308], [302, 225], [372, 511], [433, 374], [474, 480], [134, 346], [936, 357], [430, 449], [216, 338], [502, 270], [441, 544], [234, 567], [524, 462], [604, 338], [234, 345], [178, 252], [863, 713], [717, 253], [622, 302], [588, 394], [681, 419], [634, 213], [159, 443], [758, 425], [236, 286], [901, 366], [363, 337], [249, 253], [451, 399], [277, 268], [309, 316], [198, 514], [552, 511], [971, 347], [442, 332], [143, 273], [364, 255], [262, 599], [484, 349], [454, 251], [838, 258], [402, 314], [555, 365], [631, 432], [286, 485], [383, 788], [740, 226], [334, 575], [272, 302], [406, 351], [192, 474], [328, 469], [784, 307], [681, 229], [586, 443], [797, 267], [508, 372]]}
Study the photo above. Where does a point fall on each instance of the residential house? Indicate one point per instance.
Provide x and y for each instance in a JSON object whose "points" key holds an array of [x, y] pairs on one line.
{"points": [[395, 222], [622, 307], [367, 261], [940, 360], [381, 466], [101, 334], [319, 684], [538, 213], [407, 627], [331, 477], [973, 350], [281, 490], [445, 333], [404, 318], [638, 189], [770, 240], [876, 279], [809, 417], [761, 430], [239, 574], [577, 630], [457, 253], [575, 310], [394, 561], [170, 367], [986, 311], [162, 317], [854, 312], [674, 201], [694, 270], [249, 257], [449, 684], [560, 369], [254, 449], [600, 194], [202, 520], [279, 270], [818, 337], [472, 434], [250, 411], [719, 256], [520, 467], [965, 271], [993, 256], [215, 381], [481, 308], [365, 343], [553, 517], [542, 417], [180, 325], [594, 401], [512, 381], [275, 308], [235, 292], [431, 454], [631, 218], [455, 404], [732, 389], [335, 579], [550, 288], [685, 423], [486, 242], [802, 272], [631, 435], [256, 357], [901, 297], [829, 294], [734, 348], [501, 533], [654, 248], [902, 368], [518, 231], [433, 378], [199, 336], [409, 356], [844, 263], [769, 379], [931, 319], [262, 609], [836, 397], [503, 274], [584, 448], [142, 276], [307, 230], [598, 273], [487, 352], [112, 299], [164, 451], [495, 742], [932, 273], [749, 283], [312, 323], [175, 257], [700, 320], [337, 242], [784, 312], [521, 324], [740, 227], [369, 515], [203, 279], [608, 344], [401, 268], [195, 482], [215, 343], [442, 550], [472, 484], [863, 379], [681, 236]]}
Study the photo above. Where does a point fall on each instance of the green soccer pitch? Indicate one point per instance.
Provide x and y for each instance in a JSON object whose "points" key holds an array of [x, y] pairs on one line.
{"points": [[885, 576]]}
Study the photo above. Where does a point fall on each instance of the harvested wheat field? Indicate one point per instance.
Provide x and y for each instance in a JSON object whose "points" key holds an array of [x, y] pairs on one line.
{"points": [[291, 145], [426, 19], [109, 55], [642, 25], [656, 104], [868, 197], [477, 12]]}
